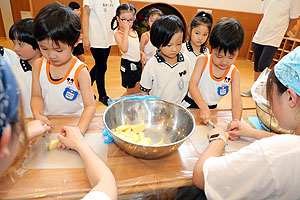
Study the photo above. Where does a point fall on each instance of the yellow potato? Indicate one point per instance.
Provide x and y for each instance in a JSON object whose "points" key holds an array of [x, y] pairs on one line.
{"points": [[52, 144], [122, 128], [138, 127], [141, 135]]}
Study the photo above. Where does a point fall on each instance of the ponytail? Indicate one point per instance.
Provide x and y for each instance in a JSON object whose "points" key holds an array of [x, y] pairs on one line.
{"points": [[114, 19]]}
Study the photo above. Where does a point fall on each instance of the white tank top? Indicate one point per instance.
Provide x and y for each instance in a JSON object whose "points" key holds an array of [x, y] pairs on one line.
{"points": [[133, 53], [149, 49], [211, 88], [61, 97]]}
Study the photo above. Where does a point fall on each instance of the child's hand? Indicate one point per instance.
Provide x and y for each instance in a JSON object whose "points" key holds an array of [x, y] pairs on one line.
{"points": [[205, 114], [236, 129], [143, 58], [36, 128], [127, 26], [44, 119], [218, 130], [71, 137]]}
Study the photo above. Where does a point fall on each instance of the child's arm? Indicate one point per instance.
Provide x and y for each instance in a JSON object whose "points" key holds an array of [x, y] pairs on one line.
{"points": [[122, 39], [236, 100], [143, 41], [205, 114], [85, 28], [87, 115], [37, 102]]}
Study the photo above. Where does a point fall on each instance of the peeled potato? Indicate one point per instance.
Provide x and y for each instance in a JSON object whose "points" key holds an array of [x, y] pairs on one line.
{"points": [[122, 128], [138, 128], [52, 144]]}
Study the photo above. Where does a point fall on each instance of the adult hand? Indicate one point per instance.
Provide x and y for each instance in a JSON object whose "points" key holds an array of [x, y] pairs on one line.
{"points": [[71, 137], [205, 114], [236, 129], [36, 128]]}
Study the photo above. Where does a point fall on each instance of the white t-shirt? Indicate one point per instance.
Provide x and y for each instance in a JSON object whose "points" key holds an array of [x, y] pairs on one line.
{"points": [[277, 14], [171, 83], [188, 50], [133, 53], [149, 49], [102, 11], [10, 57], [265, 169], [96, 195]]}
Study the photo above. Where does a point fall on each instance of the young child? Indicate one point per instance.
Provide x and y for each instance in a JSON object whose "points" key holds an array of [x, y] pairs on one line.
{"points": [[128, 42], [214, 73], [61, 83], [167, 74], [78, 50], [147, 47], [269, 167], [27, 49], [199, 31]]}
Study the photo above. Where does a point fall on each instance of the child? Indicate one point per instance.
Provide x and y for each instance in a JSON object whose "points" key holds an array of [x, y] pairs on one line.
{"points": [[61, 83], [129, 45], [269, 167], [199, 31], [167, 74], [26, 47], [78, 50], [214, 73], [147, 47]]}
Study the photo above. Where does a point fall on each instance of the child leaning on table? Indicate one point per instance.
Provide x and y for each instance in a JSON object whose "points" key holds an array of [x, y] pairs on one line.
{"points": [[167, 74], [61, 83], [215, 72]]}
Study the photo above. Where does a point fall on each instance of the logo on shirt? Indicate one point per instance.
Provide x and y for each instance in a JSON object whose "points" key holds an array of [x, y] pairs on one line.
{"points": [[70, 94], [70, 81], [227, 79], [223, 90]]}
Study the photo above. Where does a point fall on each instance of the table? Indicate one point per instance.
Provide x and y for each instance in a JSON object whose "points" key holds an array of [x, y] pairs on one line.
{"points": [[135, 177]]}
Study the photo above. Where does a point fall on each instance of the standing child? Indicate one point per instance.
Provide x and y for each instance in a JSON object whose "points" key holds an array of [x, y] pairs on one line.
{"points": [[26, 47], [78, 50], [147, 47], [61, 83], [199, 31], [129, 45], [214, 73], [167, 75]]}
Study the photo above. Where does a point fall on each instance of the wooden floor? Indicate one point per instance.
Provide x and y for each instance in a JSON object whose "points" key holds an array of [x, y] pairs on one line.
{"points": [[115, 90]]}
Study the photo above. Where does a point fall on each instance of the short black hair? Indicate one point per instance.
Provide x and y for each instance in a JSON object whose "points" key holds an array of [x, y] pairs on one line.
{"points": [[23, 31], [58, 23], [164, 28], [227, 35], [155, 11], [74, 5]]}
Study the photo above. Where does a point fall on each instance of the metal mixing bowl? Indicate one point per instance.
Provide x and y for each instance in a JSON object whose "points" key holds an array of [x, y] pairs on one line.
{"points": [[163, 119]]}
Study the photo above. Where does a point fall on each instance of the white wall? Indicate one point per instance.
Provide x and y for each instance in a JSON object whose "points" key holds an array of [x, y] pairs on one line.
{"points": [[252, 6]]}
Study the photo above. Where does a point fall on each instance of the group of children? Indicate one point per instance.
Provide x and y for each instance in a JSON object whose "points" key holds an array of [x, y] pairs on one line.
{"points": [[162, 64]]}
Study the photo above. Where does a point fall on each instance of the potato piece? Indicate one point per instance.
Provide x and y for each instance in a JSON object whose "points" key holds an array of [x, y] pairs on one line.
{"points": [[138, 127], [52, 144], [141, 135], [122, 128]]}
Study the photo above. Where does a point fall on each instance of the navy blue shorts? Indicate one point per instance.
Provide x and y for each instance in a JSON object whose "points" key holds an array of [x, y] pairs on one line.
{"points": [[131, 73]]}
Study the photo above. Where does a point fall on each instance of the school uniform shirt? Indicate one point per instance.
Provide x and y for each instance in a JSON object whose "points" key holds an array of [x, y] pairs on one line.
{"points": [[265, 169], [101, 14], [61, 97], [149, 49], [23, 73], [188, 50], [168, 82], [133, 53], [213, 89], [10, 57], [96, 195], [277, 14]]}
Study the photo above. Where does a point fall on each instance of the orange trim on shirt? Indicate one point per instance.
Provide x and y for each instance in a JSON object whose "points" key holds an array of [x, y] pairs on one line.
{"points": [[64, 78], [148, 36], [135, 36], [212, 75], [232, 73], [76, 75], [205, 63], [40, 65]]}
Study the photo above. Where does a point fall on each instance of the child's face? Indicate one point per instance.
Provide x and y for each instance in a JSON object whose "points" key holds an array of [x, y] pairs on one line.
{"points": [[222, 61], [173, 48], [57, 54], [152, 19], [77, 11], [24, 50], [126, 19], [199, 35]]}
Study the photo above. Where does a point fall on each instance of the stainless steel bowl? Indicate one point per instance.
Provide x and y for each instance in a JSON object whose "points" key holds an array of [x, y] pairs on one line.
{"points": [[163, 119]]}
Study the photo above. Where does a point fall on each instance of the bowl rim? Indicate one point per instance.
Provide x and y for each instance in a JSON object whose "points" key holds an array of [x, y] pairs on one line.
{"points": [[153, 146]]}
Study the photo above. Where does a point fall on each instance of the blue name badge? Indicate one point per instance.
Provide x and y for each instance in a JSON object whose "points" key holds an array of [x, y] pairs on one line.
{"points": [[223, 90], [70, 94]]}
